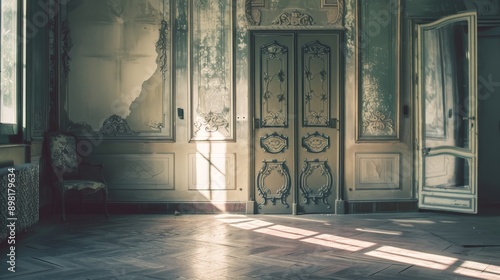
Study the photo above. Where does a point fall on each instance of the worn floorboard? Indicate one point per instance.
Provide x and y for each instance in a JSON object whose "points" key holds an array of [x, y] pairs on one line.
{"points": [[427, 245]]}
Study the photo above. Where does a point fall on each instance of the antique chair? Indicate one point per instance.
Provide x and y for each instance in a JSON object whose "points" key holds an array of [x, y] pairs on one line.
{"points": [[70, 172]]}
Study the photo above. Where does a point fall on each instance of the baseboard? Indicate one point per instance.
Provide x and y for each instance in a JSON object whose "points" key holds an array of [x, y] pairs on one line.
{"points": [[490, 208], [250, 207], [46, 211], [351, 207], [158, 208], [362, 207]]}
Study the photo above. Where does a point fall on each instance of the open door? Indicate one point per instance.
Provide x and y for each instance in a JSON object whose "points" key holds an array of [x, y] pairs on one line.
{"points": [[446, 119]]}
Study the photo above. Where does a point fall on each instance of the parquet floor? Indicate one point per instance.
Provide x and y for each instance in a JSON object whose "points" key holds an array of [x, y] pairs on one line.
{"points": [[424, 245]]}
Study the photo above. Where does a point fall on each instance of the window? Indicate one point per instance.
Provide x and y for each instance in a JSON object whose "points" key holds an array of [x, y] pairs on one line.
{"points": [[12, 54]]}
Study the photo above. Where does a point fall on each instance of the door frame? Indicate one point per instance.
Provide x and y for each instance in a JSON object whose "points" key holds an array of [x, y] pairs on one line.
{"points": [[340, 205], [486, 190]]}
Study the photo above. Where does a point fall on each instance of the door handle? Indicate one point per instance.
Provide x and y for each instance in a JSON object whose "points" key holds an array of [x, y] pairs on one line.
{"points": [[469, 118], [334, 123], [257, 123]]}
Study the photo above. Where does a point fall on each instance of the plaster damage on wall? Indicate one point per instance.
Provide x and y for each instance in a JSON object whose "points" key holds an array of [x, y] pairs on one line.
{"points": [[152, 90], [117, 58]]}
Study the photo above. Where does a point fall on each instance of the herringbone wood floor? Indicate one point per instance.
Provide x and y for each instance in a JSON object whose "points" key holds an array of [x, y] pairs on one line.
{"points": [[393, 246]]}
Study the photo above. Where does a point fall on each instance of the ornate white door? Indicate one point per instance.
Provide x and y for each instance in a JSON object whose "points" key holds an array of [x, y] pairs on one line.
{"points": [[447, 115]]}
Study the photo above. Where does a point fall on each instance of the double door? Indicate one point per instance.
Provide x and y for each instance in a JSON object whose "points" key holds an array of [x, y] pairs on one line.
{"points": [[296, 85]]}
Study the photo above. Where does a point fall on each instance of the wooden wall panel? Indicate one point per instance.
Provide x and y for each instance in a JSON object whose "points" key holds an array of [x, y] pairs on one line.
{"points": [[377, 171], [212, 172], [138, 171]]}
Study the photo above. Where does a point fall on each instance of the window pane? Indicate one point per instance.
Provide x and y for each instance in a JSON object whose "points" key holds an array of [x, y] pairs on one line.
{"points": [[8, 74]]}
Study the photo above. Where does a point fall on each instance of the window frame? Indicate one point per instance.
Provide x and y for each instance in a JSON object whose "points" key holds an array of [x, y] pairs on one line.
{"points": [[13, 133]]}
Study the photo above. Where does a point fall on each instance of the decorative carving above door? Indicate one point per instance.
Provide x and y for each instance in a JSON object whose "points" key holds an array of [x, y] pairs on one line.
{"points": [[294, 18], [276, 15]]}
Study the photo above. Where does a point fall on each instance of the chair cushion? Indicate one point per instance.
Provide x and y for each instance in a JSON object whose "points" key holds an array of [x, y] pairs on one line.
{"points": [[81, 184]]}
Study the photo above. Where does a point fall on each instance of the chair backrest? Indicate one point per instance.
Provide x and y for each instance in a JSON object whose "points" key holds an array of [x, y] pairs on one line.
{"points": [[63, 155]]}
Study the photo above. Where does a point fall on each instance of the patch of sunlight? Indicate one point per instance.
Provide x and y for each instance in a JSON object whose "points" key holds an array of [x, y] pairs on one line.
{"points": [[211, 172], [252, 224], [229, 221], [405, 225], [478, 270], [313, 218], [389, 232], [412, 221], [286, 232], [227, 215], [412, 257], [338, 242], [294, 230], [279, 233]]}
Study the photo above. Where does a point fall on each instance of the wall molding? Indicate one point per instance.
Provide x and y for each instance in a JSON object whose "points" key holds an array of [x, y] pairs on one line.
{"points": [[138, 171]]}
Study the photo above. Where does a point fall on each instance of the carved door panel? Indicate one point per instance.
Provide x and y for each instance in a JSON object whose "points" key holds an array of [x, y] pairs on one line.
{"points": [[295, 86]]}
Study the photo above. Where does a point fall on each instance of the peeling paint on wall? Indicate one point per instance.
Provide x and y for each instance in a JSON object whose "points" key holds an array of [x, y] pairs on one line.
{"points": [[118, 64], [145, 107]]}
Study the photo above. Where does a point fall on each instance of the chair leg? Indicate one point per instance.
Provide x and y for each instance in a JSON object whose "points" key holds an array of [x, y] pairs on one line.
{"points": [[105, 194], [63, 206], [54, 201], [82, 211]]}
